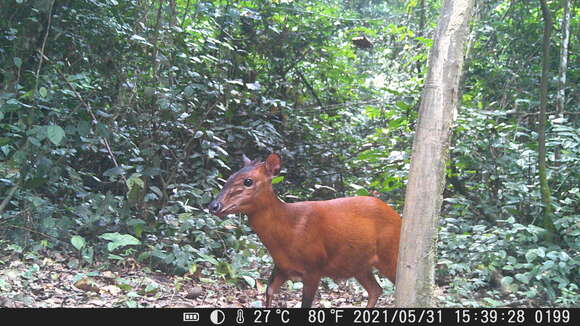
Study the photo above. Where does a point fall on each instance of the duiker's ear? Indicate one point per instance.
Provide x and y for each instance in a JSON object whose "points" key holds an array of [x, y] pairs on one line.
{"points": [[247, 161], [273, 164]]}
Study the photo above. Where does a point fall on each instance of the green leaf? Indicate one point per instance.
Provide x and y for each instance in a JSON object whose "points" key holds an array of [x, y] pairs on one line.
{"points": [[188, 91], [251, 281], [4, 286], [531, 255], [507, 280], [102, 130], [156, 190], [548, 264], [124, 284], [522, 278], [43, 92], [112, 172], [362, 192], [119, 240], [207, 258], [55, 134], [17, 62], [492, 302], [115, 257], [88, 254], [78, 242], [403, 105], [151, 288], [135, 180], [140, 39], [277, 179], [138, 226]]}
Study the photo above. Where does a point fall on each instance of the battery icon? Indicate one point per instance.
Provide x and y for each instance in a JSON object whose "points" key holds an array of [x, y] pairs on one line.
{"points": [[190, 316]]}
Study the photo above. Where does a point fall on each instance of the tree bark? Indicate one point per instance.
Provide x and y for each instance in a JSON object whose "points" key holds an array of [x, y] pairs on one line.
{"points": [[415, 270], [156, 40], [561, 103], [420, 32], [542, 168], [561, 96]]}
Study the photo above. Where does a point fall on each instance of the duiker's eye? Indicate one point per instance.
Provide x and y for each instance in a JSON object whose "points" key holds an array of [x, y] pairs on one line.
{"points": [[248, 182]]}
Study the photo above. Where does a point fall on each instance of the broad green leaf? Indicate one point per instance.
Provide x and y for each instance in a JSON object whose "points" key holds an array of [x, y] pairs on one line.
{"points": [[138, 226], [119, 240], [135, 180], [156, 190], [151, 288], [17, 62], [207, 258], [277, 179], [188, 91], [251, 282], [192, 269], [55, 134], [362, 192], [42, 91], [112, 172], [507, 280], [102, 130], [531, 255], [78, 242], [522, 278]]}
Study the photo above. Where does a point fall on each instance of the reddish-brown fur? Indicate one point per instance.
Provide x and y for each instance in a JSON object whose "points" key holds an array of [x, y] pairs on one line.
{"points": [[339, 238]]}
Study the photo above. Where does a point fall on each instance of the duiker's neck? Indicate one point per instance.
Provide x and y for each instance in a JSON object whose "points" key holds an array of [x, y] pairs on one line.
{"points": [[269, 212]]}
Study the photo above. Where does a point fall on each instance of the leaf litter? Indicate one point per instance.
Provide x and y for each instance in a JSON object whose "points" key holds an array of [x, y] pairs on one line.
{"points": [[49, 282]]}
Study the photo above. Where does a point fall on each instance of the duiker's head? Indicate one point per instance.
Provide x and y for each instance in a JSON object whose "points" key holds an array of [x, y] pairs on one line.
{"points": [[243, 188]]}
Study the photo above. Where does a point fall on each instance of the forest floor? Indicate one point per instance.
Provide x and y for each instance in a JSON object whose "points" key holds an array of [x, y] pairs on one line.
{"points": [[50, 280]]}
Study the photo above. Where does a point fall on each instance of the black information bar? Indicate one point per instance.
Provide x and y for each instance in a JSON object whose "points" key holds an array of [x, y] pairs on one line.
{"points": [[286, 316]]}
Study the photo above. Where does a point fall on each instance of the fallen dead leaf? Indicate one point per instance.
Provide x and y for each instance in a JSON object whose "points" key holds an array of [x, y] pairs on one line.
{"points": [[112, 289], [86, 284]]}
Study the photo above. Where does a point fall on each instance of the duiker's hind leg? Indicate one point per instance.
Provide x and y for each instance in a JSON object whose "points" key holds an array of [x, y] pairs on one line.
{"points": [[374, 290], [388, 268], [388, 252]]}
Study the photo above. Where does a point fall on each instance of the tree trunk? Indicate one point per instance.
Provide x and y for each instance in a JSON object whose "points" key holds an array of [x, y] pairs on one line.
{"points": [[420, 32], [564, 58], [415, 270], [542, 168], [561, 96], [156, 40]]}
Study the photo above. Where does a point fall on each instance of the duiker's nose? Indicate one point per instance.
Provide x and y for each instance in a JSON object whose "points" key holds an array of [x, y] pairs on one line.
{"points": [[215, 206]]}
